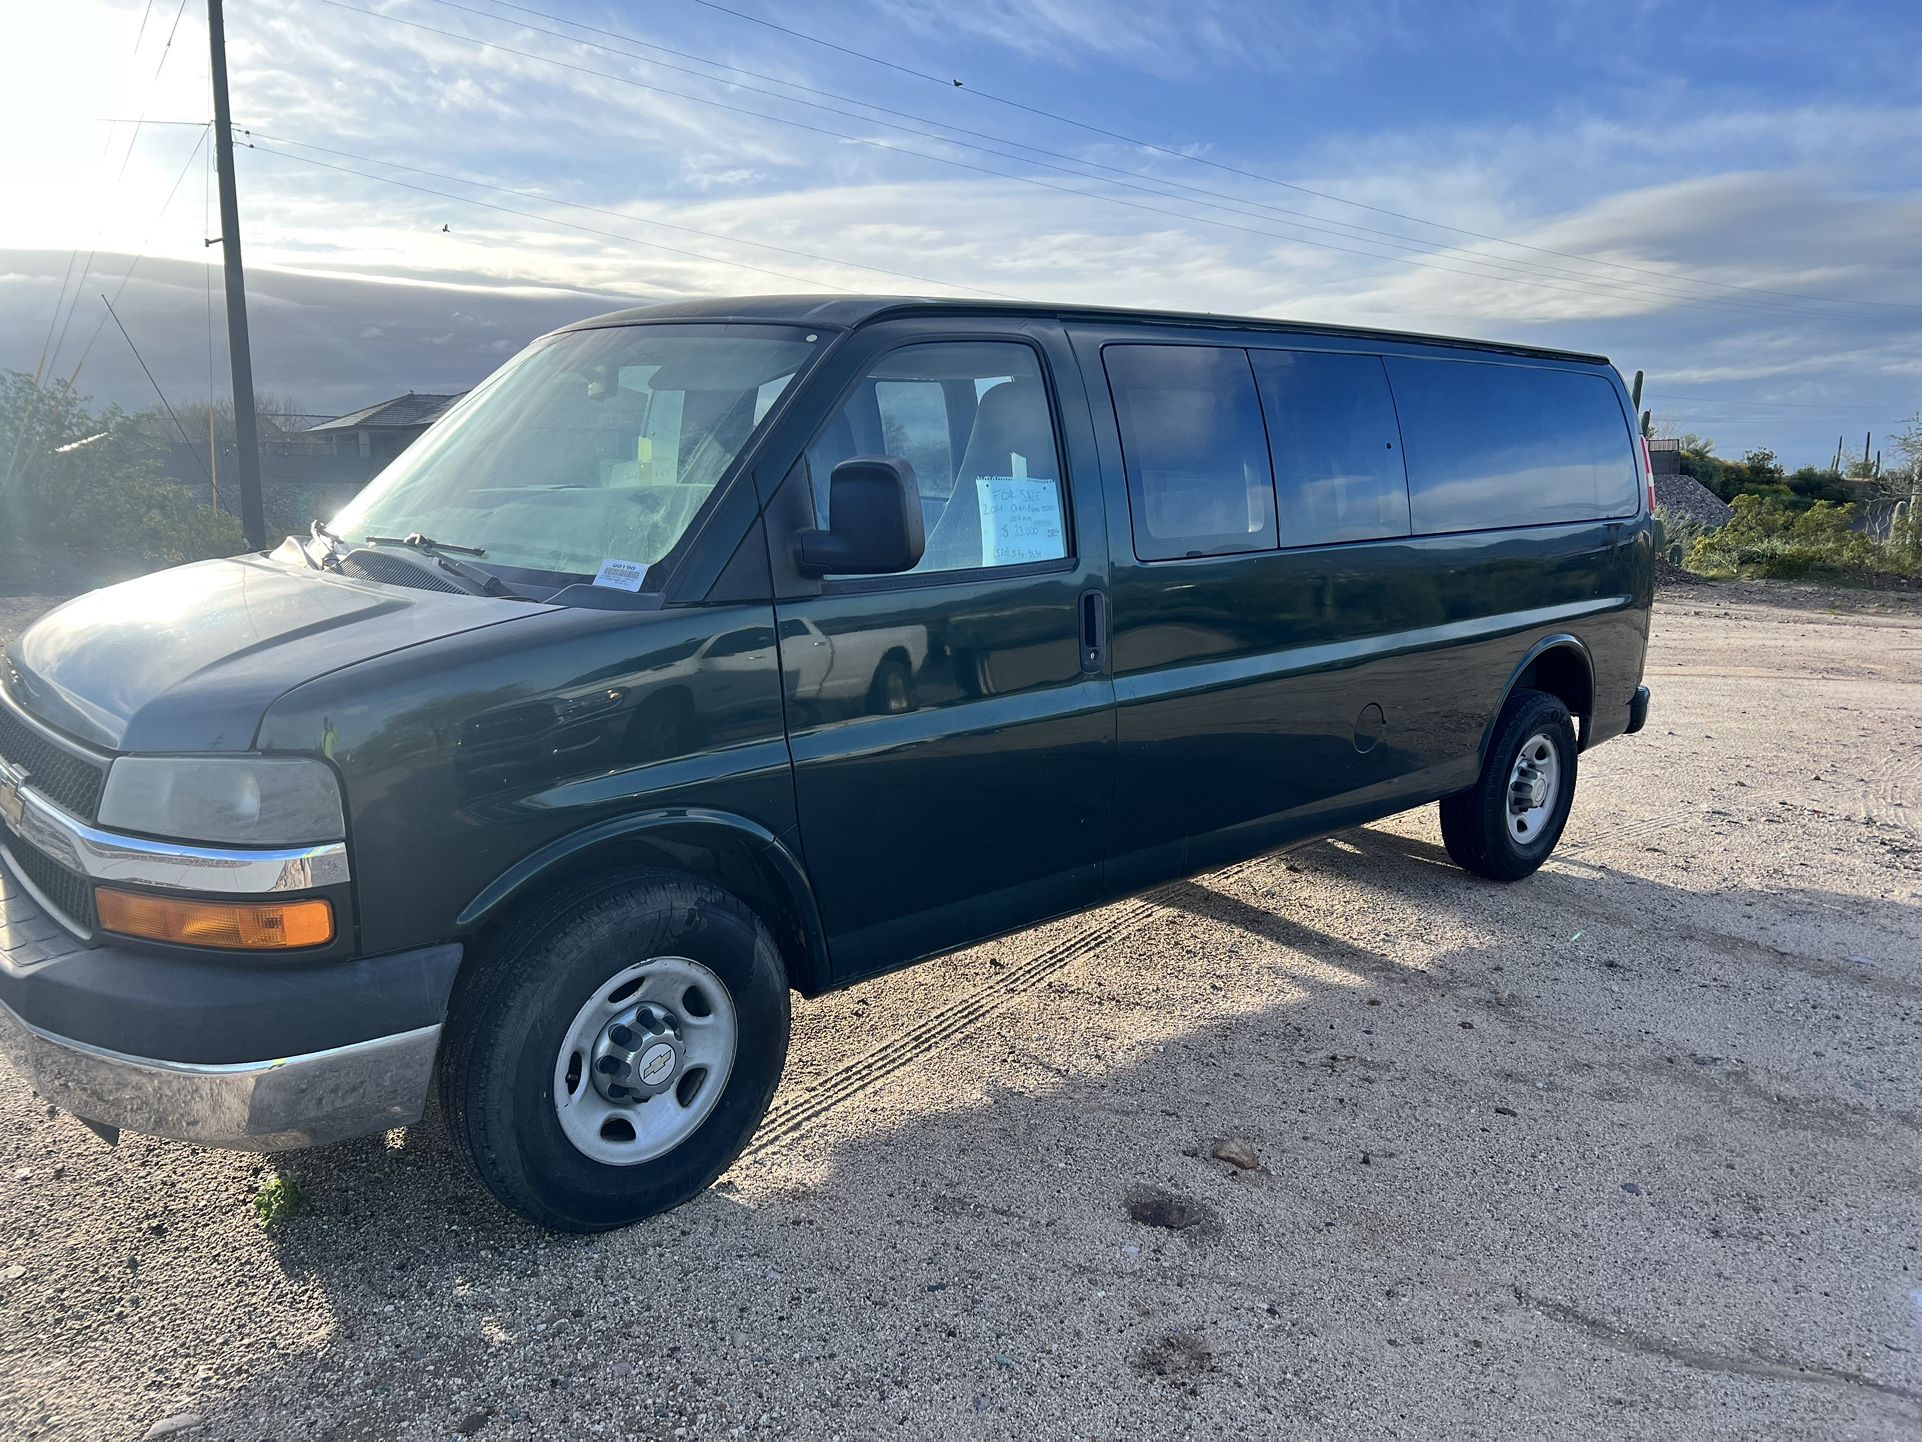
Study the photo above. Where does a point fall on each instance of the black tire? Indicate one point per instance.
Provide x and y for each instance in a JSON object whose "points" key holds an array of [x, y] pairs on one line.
{"points": [[1475, 823], [513, 1009]]}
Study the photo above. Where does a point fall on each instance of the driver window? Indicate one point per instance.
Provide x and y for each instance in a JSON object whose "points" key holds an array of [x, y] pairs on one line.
{"points": [[972, 419]]}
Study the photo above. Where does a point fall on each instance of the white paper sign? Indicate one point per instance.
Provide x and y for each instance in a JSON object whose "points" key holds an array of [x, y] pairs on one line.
{"points": [[1020, 520], [622, 575]]}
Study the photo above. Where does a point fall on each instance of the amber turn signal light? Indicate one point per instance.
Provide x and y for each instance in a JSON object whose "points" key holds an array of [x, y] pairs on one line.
{"points": [[238, 926]]}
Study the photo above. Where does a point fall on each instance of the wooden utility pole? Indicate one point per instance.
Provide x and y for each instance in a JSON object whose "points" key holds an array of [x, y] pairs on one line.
{"points": [[253, 518]]}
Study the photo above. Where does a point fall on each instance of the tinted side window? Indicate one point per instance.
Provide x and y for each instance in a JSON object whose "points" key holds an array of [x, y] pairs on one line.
{"points": [[1504, 445], [1335, 444], [973, 420], [1196, 454]]}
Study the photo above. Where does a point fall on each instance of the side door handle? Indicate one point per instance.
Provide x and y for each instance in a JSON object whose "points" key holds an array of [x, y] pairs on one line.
{"points": [[1094, 632]]}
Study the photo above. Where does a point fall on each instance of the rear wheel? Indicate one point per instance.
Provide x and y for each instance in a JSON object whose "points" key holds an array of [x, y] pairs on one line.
{"points": [[1505, 825], [612, 1053]]}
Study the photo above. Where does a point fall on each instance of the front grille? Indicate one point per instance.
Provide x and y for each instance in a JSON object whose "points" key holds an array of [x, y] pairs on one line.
{"points": [[70, 893], [70, 780]]}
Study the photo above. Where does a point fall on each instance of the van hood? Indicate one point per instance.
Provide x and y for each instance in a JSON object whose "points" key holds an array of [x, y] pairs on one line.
{"points": [[190, 659]]}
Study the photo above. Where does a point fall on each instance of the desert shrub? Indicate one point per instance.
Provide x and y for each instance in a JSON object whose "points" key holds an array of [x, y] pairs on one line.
{"points": [[1676, 534], [1766, 538]]}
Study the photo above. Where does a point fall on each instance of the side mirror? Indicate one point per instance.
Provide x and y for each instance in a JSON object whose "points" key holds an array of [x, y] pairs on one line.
{"points": [[874, 521]]}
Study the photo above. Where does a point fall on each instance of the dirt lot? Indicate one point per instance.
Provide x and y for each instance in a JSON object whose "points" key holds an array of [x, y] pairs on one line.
{"points": [[1628, 1150]]}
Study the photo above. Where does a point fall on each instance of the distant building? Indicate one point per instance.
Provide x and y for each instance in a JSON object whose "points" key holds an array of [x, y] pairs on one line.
{"points": [[381, 432]]}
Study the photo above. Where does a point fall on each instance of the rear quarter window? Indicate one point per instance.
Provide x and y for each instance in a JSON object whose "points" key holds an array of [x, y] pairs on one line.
{"points": [[1335, 444], [1195, 450], [1488, 446]]}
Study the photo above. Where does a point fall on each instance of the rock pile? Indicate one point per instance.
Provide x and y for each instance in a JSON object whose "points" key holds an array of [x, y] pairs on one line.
{"points": [[1691, 500]]}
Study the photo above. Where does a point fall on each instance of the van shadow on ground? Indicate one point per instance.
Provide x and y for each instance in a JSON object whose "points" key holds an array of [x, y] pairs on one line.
{"points": [[1513, 1185]]}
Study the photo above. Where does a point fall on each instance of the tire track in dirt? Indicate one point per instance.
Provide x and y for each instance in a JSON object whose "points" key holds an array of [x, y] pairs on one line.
{"points": [[1893, 792], [1614, 836], [956, 1020], [1706, 1359]]}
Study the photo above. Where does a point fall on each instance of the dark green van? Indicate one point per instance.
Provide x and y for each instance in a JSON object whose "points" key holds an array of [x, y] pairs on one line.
{"points": [[716, 650]]}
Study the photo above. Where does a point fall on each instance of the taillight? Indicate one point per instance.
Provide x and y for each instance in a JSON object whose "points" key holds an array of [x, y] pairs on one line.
{"points": [[1648, 475]]}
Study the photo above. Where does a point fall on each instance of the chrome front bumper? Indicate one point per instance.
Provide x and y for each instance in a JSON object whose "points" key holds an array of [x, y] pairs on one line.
{"points": [[265, 1106]]}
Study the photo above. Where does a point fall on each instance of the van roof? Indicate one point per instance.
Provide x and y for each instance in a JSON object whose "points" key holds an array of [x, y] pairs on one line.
{"points": [[849, 311]]}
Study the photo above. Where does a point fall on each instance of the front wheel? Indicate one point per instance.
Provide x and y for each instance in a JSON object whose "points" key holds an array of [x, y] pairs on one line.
{"points": [[1504, 826], [614, 1050]]}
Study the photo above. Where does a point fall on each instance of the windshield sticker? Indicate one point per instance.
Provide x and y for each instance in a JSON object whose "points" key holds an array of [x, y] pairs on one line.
{"points": [[621, 575], [1020, 520]]}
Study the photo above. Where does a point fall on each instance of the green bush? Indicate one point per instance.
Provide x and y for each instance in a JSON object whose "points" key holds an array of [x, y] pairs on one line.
{"points": [[1676, 535], [94, 482], [1766, 538]]}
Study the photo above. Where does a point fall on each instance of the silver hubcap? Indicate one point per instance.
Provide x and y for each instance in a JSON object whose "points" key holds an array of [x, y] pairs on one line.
{"points": [[1533, 785], [645, 1061]]}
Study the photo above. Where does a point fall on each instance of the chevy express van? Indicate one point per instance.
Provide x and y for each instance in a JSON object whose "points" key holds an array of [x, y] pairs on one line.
{"points": [[718, 650]]}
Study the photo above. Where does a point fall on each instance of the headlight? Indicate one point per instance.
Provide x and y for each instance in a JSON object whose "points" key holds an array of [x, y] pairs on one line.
{"points": [[245, 800]]}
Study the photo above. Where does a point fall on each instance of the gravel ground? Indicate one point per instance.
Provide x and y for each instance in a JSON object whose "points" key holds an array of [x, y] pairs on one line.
{"points": [[1627, 1150]]}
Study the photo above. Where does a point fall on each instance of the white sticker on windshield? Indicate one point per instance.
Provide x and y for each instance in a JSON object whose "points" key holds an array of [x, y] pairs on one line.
{"points": [[622, 575]]}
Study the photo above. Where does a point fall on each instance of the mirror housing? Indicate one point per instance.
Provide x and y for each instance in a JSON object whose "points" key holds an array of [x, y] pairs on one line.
{"points": [[874, 522]]}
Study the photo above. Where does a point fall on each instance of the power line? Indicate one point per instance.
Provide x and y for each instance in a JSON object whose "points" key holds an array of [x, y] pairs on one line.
{"points": [[1079, 166], [622, 215], [541, 219], [953, 84], [1589, 293], [182, 430], [140, 254], [51, 346], [119, 176]]}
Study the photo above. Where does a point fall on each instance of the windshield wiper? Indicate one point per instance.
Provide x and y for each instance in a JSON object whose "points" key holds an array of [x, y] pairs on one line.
{"points": [[484, 583], [426, 543]]}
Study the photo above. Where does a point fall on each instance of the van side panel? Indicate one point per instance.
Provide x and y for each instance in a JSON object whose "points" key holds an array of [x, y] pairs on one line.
{"points": [[1262, 700], [1268, 697]]}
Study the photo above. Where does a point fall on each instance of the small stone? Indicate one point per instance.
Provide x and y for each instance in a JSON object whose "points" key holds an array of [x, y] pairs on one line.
{"points": [[177, 1425], [1505, 1112], [621, 1369], [1237, 1152], [474, 1421], [25, 1174], [14, 1273], [1631, 1189]]}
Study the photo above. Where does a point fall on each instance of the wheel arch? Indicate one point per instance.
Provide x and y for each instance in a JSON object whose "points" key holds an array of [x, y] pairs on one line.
{"points": [[1561, 666], [738, 854]]}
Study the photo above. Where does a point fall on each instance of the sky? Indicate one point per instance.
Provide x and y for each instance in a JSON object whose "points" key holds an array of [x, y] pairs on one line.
{"points": [[1725, 195]]}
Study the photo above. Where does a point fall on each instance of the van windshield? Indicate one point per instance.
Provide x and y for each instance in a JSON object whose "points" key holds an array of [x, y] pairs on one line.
{"points": [[589, 447]]}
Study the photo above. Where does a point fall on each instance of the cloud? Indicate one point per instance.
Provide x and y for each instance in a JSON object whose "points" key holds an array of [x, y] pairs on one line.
{"points": [[1821, 194], [1161, 37]]}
